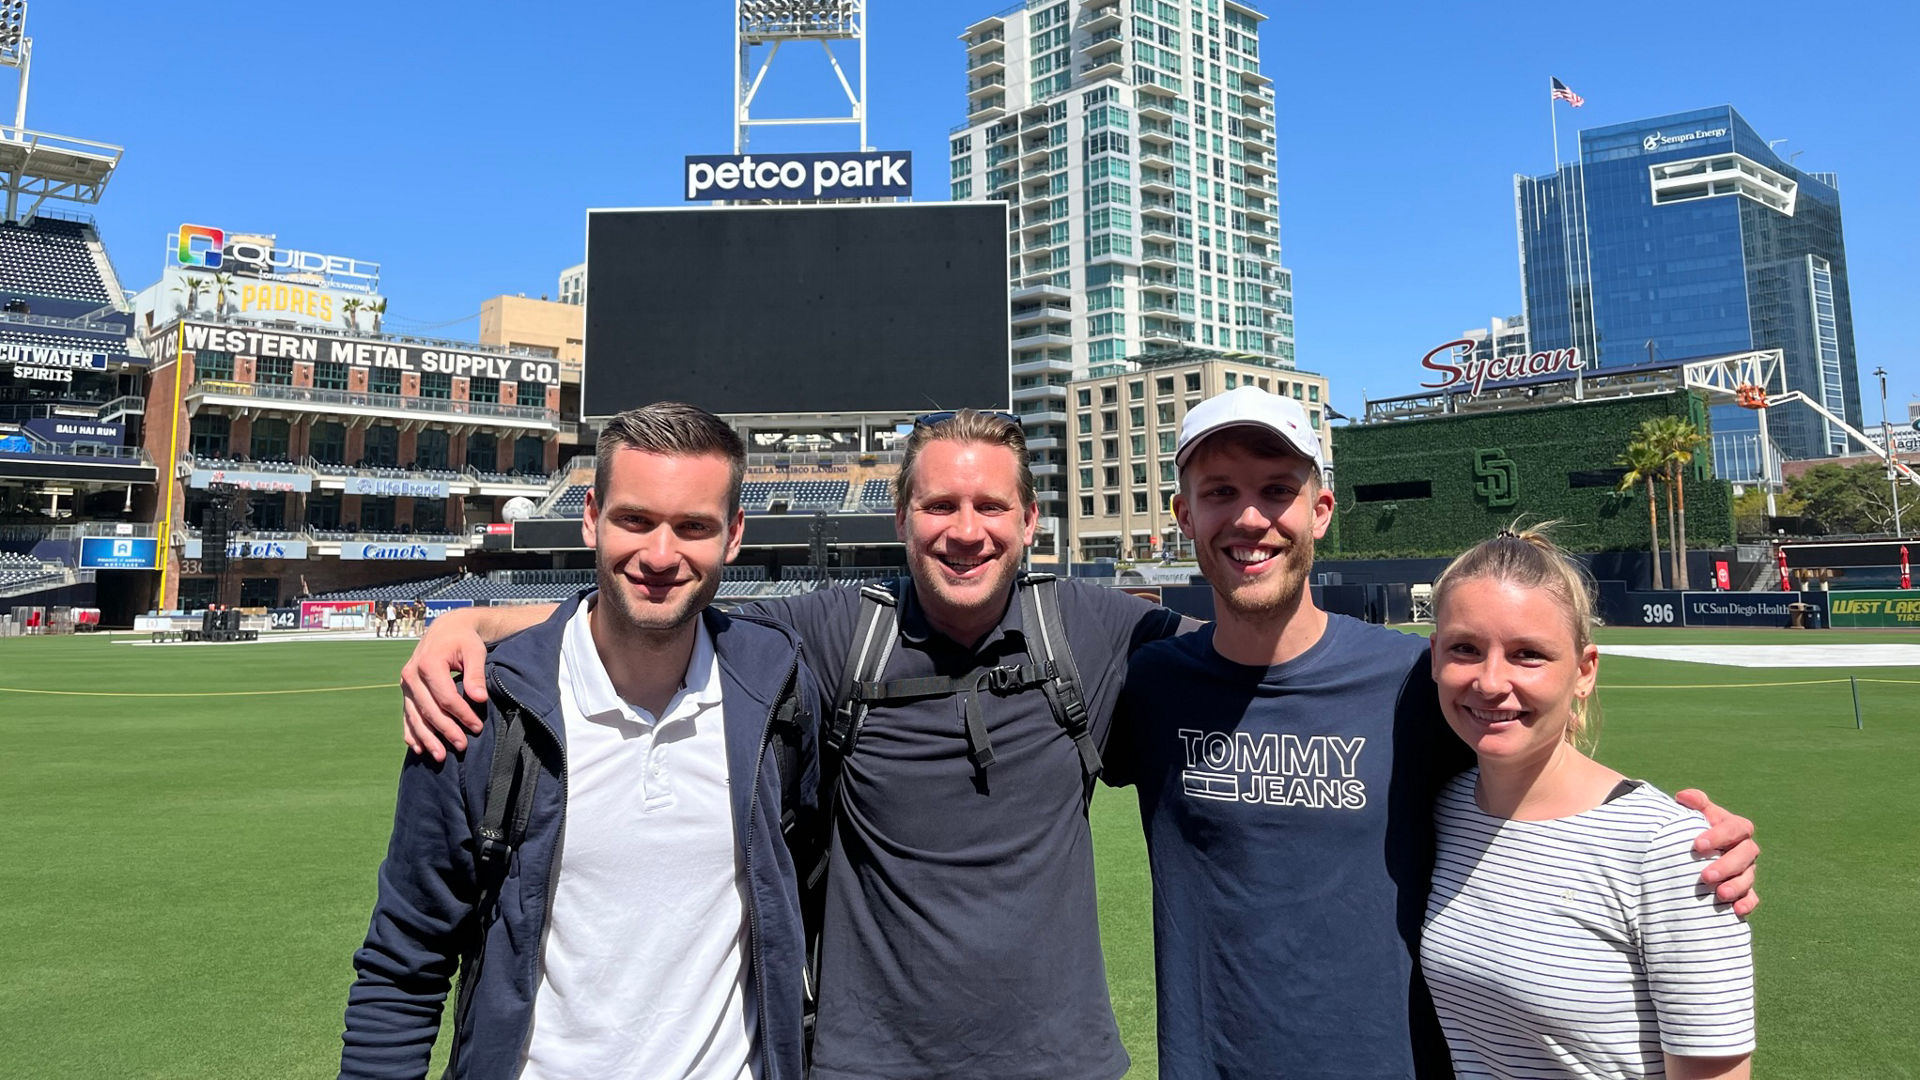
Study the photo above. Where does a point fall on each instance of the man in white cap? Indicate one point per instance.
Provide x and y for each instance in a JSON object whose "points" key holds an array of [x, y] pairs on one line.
{"points": [[1286, 762]]}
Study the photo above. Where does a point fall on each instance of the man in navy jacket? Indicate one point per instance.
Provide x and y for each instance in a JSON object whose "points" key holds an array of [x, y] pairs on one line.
{"points": [[648, 924]]}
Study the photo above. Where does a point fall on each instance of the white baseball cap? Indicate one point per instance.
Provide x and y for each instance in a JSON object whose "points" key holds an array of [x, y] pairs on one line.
{"points": [[1249, 406]]}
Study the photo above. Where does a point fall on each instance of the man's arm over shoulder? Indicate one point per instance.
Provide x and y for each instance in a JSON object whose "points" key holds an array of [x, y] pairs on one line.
{"points": [[824, 619], [427, 891]]}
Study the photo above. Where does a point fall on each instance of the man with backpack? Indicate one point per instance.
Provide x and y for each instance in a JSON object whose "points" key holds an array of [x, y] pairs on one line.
{"points": [[605, 863], [958, 931]]}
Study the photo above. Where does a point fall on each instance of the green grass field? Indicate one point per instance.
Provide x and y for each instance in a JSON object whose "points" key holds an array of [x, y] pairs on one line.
{"points": [[186, 877]]}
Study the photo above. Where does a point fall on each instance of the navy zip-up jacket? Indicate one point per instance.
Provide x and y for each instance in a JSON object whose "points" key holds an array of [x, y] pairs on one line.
{"points": [[425, 921]]}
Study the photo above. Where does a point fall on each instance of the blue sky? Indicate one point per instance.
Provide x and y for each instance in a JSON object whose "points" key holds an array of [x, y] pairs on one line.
{"points": [[459, 144]]}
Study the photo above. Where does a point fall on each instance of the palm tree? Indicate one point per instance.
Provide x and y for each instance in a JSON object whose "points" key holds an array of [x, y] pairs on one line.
{"points": [[379, 309], [222, 285], [1644, 462], [1679, 440], [350, 313], [193, 285]]}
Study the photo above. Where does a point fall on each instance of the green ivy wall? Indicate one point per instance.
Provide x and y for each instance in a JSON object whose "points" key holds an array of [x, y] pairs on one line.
{"points": [[1487, 469]]}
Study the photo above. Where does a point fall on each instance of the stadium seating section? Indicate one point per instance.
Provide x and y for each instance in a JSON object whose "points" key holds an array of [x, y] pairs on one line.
{"points": [[50, 257], [739, 583], [20, 572]]}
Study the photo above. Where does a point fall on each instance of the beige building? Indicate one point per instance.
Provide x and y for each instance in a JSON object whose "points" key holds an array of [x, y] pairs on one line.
{"points": [[1126, 422], [540, 326]]}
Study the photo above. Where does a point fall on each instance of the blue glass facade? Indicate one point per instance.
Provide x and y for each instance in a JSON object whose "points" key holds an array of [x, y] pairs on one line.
{"points": [[1685, 235]]}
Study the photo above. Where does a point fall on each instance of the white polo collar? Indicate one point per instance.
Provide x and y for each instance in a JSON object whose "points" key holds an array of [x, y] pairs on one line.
{"points": [[593, 691]]}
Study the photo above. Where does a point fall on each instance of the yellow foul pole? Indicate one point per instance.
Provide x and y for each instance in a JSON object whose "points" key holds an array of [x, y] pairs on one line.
{"points": [[164, 546]]}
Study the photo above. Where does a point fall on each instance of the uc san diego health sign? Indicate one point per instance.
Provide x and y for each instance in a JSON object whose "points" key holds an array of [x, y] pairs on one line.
{"points": [[1457, 366], [867, 175]]}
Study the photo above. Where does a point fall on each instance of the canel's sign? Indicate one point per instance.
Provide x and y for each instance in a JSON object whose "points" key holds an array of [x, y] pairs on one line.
{"points": [[1458, 366]]}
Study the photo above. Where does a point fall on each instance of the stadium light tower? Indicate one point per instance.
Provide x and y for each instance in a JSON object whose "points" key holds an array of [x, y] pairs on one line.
{"points": [[16, 50], [769, 24]]}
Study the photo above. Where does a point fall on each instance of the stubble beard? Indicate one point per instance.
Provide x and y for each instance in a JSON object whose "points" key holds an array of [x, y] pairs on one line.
{"points": [[659, 625], [1251, 603]]}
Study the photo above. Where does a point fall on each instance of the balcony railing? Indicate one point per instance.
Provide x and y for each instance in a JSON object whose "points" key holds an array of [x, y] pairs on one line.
{"points": [[355, 399]]}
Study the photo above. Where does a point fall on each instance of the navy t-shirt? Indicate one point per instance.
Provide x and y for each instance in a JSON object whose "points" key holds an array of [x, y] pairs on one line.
{"points": [[1288, 814], [960, 934]]}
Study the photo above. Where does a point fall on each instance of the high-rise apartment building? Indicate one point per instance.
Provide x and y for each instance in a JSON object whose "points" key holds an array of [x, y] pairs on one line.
{"points": [[1133, 141], [1686, 236], [1126, 427]]}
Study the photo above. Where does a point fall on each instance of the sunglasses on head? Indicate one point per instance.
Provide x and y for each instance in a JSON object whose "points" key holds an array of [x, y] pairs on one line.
{"points": [[932, 418]]}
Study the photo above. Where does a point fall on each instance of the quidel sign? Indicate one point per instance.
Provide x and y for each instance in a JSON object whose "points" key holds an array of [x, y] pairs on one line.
{"points": [[868, 175], [1456, 364]]}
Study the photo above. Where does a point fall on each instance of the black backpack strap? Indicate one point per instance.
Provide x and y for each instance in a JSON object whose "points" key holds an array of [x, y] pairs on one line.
{"points": [[510, 786], [1047, 638]]}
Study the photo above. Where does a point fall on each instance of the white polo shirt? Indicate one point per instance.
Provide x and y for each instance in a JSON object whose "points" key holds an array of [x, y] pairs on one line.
{"points": [[643, 970]]}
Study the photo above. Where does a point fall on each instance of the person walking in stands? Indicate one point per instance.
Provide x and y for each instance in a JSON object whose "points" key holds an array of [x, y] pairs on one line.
{"points": [[960, 937], [657, 934], [1286, 761], [1566, 933]]}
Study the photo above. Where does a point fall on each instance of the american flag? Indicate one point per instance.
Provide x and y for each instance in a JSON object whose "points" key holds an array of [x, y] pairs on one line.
{"points": [[1562, 93]]}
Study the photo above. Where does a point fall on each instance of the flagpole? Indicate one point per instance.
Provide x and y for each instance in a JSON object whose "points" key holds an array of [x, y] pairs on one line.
{"points": [[1566, 236]]}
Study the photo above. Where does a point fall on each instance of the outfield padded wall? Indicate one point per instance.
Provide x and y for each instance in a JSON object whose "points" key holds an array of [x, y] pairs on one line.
{"points": [[1481, 471]]}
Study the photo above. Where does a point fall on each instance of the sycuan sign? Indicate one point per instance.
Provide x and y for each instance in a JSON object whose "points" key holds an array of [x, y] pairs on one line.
{"points": [[1458, 366]]}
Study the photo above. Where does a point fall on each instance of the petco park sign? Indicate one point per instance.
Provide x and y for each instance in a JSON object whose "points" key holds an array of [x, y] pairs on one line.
{"points": [[1458, 367], [802, 177]]}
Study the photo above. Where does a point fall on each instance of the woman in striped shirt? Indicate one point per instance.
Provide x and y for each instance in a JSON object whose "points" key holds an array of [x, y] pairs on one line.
{"points": [[1567, 933]]}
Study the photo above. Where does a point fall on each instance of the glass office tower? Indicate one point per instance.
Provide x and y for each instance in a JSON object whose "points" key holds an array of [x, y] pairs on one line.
{"points": [[1685, 236]]}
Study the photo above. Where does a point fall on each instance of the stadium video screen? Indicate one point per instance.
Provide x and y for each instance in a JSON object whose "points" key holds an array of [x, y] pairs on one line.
{"points": [[829, 309]]}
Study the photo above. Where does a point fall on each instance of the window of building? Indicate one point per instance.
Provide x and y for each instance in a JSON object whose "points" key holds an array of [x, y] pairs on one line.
{"points": [[1086, 449], [1139, 472], [1167, 439], [1163, 386], [273, 371], [1109, 394], [1085, 397], [1137, 415], [430, 515], [430, 449], [437, 385], [1394, 492], [1109, 420], [1110, 476], [1313, 392], [207, 437], [1111, 322], [532, 394], [530, 455], [270, 439], [1086, 506], [327, 442], [1137, 444], [1163, 412], [323, 509], [1086, 477], [1167, 475], [1193, 382], [210, 364], [329, 376], [376, 514], [383, 380], [1232, 379], [382, 446], [1113, 505], [483, 451], [1086, 423], [1139, 502], [485, 389], [1109, 449]]}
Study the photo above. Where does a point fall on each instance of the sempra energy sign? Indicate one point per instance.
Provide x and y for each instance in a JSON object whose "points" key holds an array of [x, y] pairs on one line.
{"points": [[804, 177], [1457, 366]]}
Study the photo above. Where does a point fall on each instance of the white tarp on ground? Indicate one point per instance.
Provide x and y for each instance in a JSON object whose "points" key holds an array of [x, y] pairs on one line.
{"points": [[1776, 656]]}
